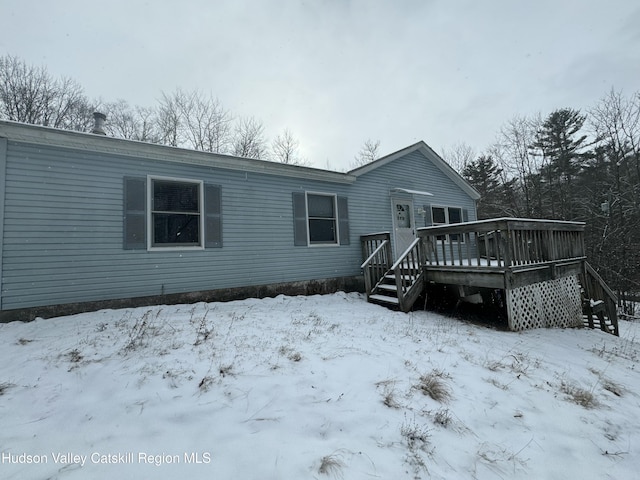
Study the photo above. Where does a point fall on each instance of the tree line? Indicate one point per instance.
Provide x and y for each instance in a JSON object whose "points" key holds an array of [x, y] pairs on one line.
{"points": [[193, 119], [576, 166]]}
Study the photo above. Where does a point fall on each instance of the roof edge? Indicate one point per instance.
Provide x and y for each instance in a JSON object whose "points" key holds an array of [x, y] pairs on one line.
{"points": [[41, 135], [429, 153]]}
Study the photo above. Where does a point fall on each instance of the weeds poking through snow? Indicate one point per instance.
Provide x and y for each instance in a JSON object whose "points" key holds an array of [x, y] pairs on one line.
{"points": [[417, 438], [497, 458], [226, 370], [442, 417], [139, 331], [388, 394], [204, 331], [579, 395], [205, 384], [5, 386], [75, 357], [612, 387], [331, 465], [433, 385], [390, 400], [24, 341], [291, 354]]}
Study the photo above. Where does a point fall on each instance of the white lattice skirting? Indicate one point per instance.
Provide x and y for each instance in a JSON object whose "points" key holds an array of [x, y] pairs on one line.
{"points": [[554, 303]]}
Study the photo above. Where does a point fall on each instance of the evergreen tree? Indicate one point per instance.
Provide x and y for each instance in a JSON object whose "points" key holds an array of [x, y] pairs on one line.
{"points": [[561, 145], [485, 176]]}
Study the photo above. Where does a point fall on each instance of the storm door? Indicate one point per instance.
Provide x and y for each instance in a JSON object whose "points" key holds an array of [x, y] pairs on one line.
{"points": [[404, 231]]}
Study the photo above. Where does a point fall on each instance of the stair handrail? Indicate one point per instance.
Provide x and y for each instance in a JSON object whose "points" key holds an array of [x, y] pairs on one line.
{"points": [[402, 257], [611, 304], [407, 297], [368, 260]]}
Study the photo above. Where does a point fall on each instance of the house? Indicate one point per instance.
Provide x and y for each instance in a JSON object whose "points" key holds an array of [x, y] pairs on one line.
{"points": [[88, 221]]}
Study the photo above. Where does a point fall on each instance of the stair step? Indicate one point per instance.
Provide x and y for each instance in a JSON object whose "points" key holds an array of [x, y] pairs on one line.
{"points": [[384, 299], [403, 277], [388, 287]]}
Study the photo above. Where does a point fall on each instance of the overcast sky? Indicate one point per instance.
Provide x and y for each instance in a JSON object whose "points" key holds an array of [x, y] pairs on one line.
{"points": [[337, 72]]}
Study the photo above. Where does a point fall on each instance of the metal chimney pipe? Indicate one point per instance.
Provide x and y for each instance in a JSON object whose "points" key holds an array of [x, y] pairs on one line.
{"points": [[98, 125]]}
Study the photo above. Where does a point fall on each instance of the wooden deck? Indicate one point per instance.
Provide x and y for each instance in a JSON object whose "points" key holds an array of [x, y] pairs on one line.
{"points": [[503, 253]]}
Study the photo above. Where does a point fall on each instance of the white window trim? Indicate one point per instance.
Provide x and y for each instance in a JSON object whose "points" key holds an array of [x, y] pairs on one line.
{"points": [[336, 219], [150, 246], [446, 214]]}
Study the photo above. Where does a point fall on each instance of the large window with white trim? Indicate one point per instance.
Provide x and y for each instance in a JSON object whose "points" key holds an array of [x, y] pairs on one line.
{"points": [[175, 213]]}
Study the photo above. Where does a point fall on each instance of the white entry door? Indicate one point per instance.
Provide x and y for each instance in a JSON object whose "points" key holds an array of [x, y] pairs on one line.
{"points": [[403, 225]]}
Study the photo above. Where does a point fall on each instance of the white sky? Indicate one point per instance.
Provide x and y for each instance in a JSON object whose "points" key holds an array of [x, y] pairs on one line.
{"points": [[338, 72]]}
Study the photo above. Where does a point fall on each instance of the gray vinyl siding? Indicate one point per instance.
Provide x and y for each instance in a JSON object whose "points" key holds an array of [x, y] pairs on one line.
{"points": [[63, 231], [3, 173], [371, 198]]}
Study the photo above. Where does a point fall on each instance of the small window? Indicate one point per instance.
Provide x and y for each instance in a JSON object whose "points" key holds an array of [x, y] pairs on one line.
{"points": [[446, 216], [321, 215], [176, 213]]}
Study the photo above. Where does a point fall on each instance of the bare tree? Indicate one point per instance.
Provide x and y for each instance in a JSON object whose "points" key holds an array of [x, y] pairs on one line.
{"points": [[30, 94], [170, 119], [367, 154], [612, 194], [459, 156], [285, 149], [513, 152], [248, 140], [193, 120], [133, 123]]}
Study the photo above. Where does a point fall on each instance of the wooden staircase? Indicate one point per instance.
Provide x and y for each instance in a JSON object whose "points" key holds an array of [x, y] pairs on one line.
{"points": [[396, 286], [599, 303]]}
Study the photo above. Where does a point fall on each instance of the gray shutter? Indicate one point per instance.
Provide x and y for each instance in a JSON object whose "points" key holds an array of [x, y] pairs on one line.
{"points": [[343, 220], [465, 215], [134, 214], [212, 216], [299, 219], [428, 220]]}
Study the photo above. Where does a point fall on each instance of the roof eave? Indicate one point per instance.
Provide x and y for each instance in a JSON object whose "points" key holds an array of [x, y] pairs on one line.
{"points": [[39, 135]]}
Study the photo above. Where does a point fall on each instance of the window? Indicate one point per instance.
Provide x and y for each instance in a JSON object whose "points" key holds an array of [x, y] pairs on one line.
{"points": [[445, 216], [321, 213], [320, 219], [161, 213], [176, 213]]}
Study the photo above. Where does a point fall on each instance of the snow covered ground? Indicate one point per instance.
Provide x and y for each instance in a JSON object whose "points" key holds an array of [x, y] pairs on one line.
{"points": [[313, 387]]}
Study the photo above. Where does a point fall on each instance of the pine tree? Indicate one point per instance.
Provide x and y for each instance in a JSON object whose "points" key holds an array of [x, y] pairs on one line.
{"points": [[485, 176], [561, 145]]}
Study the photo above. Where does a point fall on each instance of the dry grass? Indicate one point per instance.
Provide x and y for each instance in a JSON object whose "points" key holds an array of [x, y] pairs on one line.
{"points": [[331, 465], [578, 395], [5, 386], [442, 417], [433, 385]]}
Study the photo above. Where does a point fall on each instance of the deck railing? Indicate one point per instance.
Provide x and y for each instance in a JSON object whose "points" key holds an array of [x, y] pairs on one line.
{"points": [[600, 301], [503, 242], [376, 250], [532, 249]]}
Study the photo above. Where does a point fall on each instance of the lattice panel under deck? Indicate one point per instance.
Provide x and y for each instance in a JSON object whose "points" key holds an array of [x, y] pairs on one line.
{"points": [[554, 303]]}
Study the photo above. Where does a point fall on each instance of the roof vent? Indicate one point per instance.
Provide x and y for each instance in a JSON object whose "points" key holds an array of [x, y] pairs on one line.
{"points": [[98, 125]]}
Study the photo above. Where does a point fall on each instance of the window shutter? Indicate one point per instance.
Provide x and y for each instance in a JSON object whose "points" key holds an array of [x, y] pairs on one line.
{"points": [[427, 215], [465, 215], [343, 220], [212, 216], [299, 219], [135, 212]]}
